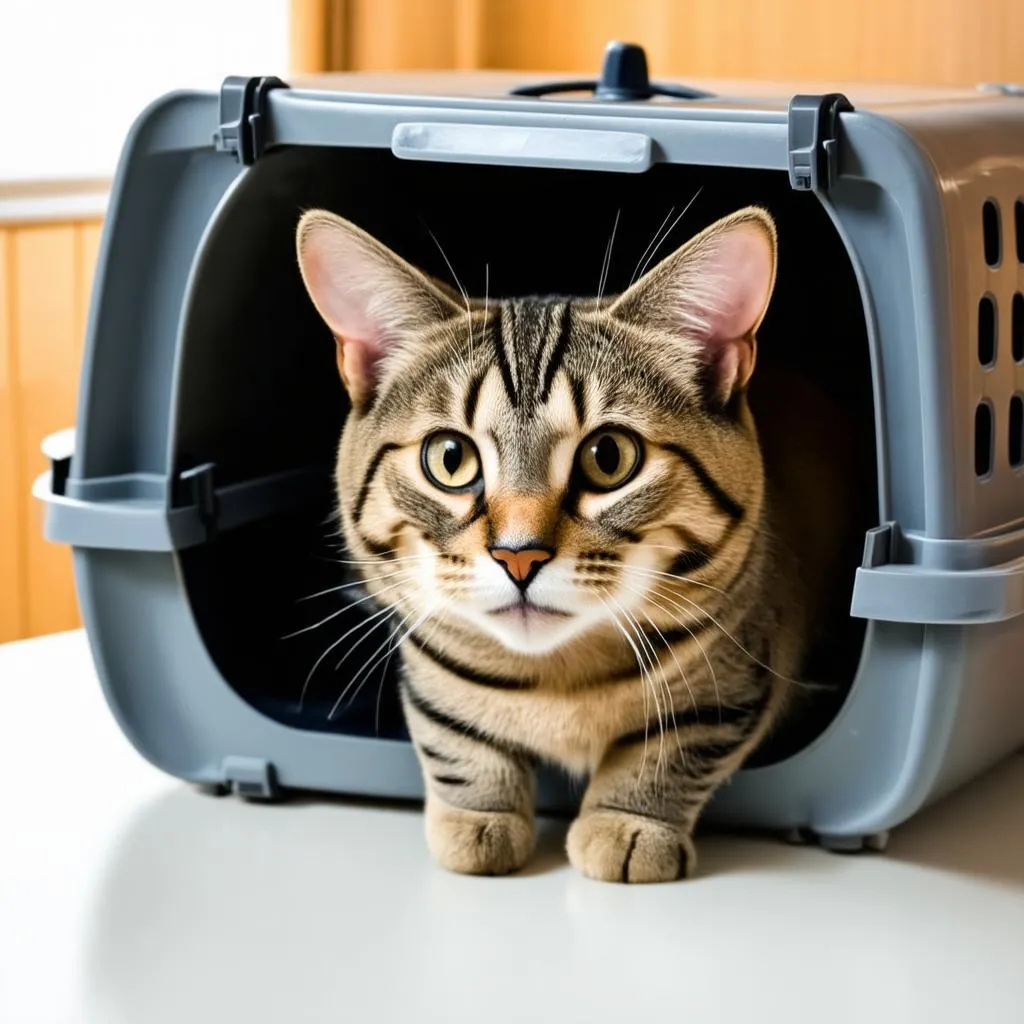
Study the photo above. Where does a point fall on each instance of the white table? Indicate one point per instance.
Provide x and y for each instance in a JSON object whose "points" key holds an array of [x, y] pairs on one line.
{"points": [[127, 897]]}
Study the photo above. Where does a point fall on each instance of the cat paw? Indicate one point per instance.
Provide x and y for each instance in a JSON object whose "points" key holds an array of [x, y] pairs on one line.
{"points": [[614, 846], [478, 842]]}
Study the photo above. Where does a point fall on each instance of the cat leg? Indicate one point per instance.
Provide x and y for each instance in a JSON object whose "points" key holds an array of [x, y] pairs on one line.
{"points": [[479, 792], [638, 815]]}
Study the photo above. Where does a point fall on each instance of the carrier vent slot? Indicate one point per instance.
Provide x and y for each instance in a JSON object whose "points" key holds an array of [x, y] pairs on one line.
{"points": [[987, 331], [983, 438], [1017, 431], [1019, 218], [990, 230], [1017, 328]]}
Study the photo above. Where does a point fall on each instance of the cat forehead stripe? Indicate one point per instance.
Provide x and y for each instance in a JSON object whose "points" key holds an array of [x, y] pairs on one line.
{"points": [[501, 355], [558, 352]]}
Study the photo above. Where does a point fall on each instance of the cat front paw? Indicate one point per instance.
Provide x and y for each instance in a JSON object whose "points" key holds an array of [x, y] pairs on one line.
{"points": [[478, 842], [615, 846]]}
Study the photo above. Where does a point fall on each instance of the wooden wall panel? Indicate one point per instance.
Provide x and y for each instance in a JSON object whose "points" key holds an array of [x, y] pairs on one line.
{"points": [[46, 321], [385, 34], [13, 592], [45, 284], [927, 41], [88, 251], [318, 35]]}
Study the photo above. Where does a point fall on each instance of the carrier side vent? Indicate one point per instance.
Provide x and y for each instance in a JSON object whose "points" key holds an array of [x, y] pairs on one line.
{"points": [[814, 140], [1016, 439], [984, 437], [243, 105], [987, 331], [991, 233], [1017, 328], [1018, 217]]}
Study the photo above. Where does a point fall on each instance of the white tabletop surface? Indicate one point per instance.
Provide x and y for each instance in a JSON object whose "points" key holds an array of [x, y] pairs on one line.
{"points": [[127, 897]]}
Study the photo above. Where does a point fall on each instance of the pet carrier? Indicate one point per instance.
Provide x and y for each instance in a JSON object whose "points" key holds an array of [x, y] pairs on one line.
{"points": [[197, 491]]}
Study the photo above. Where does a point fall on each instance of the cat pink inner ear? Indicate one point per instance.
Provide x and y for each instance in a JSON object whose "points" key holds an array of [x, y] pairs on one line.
{"points": [[345, 282], [728, 292], [739, 274]]}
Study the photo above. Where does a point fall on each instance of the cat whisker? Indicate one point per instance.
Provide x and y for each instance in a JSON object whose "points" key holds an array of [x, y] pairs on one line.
{"points": [[696, 640], [465, 296], [487, 291], [651, 245], [664, 237], [644, 570], [606, 265], [384, 675], [599, 350], [392, 608], [736, 643], [403, 573], [668, 646], [342, 610], [378, 562], [682, 672], [682, 675], [370, 664], [644, 682], [652, 660]]}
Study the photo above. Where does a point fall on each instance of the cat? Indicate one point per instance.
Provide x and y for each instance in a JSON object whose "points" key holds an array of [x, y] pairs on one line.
{"points": [[603, 546]]}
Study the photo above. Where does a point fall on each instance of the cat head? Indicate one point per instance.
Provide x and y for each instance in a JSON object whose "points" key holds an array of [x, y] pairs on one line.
{"points": [[528, 470]]}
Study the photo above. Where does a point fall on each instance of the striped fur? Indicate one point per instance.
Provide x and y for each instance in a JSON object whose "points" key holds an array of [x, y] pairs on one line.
{"points": [[651, 652]]}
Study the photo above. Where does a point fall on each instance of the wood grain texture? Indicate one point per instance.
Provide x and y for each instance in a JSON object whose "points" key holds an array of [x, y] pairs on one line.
{"points": [[46, 320], [934, 42], [46, 277], [88, 243], [13, 588], [402, 34], [317, 36]]}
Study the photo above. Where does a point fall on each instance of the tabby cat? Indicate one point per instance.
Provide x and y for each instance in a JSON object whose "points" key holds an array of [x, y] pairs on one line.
{"points": [[601, 543]]}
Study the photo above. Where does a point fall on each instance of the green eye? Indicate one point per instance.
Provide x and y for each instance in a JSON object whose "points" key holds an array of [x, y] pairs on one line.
{"points": [[450, 461], [609, 458]]}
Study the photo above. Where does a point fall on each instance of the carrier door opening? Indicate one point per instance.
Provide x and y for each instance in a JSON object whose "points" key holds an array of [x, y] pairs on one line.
{"points": [[277, 606]]}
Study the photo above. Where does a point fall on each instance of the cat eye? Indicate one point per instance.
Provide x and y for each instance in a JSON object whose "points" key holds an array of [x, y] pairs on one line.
{"points": [[450, 461], [609, 458]]}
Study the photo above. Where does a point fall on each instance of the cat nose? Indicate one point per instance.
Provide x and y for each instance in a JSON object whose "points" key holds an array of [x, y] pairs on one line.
{"points": [[522, 564]]}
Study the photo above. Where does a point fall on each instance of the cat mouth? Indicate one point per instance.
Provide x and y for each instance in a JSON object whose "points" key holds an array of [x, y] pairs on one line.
{"points": [[526, 610]]}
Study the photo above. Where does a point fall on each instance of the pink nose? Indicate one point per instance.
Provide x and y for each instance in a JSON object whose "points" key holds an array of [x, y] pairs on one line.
{"points": [[521, 564]]}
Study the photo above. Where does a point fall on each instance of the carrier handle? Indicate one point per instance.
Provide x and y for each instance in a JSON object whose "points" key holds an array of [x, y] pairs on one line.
{"points": [[572, 148], [914, 593], [624, 78]]}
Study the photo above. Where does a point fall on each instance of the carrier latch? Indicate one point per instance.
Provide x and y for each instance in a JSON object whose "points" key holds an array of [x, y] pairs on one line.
{"points": [[196, 487], [814, 140], [243, 108]]}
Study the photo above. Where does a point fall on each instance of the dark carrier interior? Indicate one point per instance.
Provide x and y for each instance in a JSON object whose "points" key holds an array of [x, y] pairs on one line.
{"points": [[259, 391]]}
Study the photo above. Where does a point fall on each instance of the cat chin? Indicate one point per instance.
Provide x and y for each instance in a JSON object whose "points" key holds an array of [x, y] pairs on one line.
{"points": [[536, 642], [532, 631]]}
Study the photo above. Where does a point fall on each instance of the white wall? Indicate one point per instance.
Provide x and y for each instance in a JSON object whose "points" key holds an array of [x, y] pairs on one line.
{"points": [[75, 73]]}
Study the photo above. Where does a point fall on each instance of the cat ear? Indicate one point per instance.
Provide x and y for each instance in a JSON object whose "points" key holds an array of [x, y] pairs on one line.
{"points": [[714, 292], [372, 300]]}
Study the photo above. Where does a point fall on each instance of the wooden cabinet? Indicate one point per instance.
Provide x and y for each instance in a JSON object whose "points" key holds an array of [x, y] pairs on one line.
{"points": [[45, 280], [920, 41]]}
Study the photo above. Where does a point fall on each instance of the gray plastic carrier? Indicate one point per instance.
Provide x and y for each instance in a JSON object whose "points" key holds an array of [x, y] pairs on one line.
{"points": [[196, 490]]}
